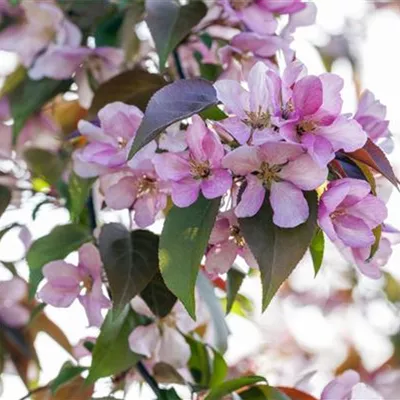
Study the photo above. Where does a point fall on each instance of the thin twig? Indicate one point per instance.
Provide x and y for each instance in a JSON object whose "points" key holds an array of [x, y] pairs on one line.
{"points": [[178, 64], [148, 378], [34, 391]]}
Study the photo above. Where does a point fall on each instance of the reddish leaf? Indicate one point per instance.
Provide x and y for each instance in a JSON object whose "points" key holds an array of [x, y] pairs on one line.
{"points": [[375, 158], [296, 394]]}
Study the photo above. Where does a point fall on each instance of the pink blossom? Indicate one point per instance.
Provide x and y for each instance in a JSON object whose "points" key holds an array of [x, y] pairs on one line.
{"points": [[226, 244], [313, 117], [66, 283], [282, 169], [253, 120], [348, 387], [348, 212], [371, 115], [258, 15], [197, 169], [101, 64], [12, 313], [173, 139], [141, 191], [162, 340], [110, 142]]}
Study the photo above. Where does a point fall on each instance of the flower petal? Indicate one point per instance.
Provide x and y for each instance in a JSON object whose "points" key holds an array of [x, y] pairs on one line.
{"points": [[171, 166], [243, 160], [144, 339], [259, 93], [185, 192], [233, 96], [90, 261], [122, 194], [252, 198], [353, 231], [173, 348], [217, 184], [220, 258], [307, 95]]}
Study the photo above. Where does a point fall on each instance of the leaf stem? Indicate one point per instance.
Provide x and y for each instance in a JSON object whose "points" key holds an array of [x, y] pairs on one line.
{"points": [[148, 378], [178, 64], [34, 391]]}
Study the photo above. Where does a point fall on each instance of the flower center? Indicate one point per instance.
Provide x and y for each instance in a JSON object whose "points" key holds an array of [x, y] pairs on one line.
{"points": [[258, 120], [287, 110], [268, 174], [146, 185], [199, 170], [306, 127], [240, 4], [122, 142], [237, 236], [87, 283]]}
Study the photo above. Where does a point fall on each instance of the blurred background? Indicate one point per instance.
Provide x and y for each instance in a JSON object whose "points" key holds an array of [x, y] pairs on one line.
{"points": [[316, 327]]}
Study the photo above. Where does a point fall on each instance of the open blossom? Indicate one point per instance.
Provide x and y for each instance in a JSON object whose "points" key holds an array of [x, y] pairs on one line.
{"points": [[252, 108], [139, 190], [258, 15], [371, 115], [197, 169], [284, 170], [173, 139], [348, 387], [108, 144], [66, 283], [12, 313], [313, 118], [162, 340], [348, 212], [226, 244]]}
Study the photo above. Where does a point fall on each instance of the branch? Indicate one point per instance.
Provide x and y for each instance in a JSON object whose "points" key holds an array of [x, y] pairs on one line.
{"points": [[178, 64]]}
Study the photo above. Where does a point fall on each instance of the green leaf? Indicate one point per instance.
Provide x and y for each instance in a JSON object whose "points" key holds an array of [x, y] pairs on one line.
{"points": [[79, 190], [5, 198], [317, 248], [133, 87], [29, 97], [219, 370], [44, 164], [107, 29], [111, 353], [174, 102], [67, 373], [158, 297], [130, 261], [210, 71], [214, 113], [207, 293], [170, 23], [60, 242], [233, 284], [168, 394], [13, 80], [378, 234], [182, 245], [228, 387], [264, 392], [277, 250], [199, 363]]}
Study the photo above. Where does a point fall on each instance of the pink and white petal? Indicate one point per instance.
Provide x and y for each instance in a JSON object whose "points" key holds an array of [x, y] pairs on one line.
{"points": [[358, 189], [236, 128], [15, 316], [248, 256], [243, 160], [213, 149], [93, 132], [367, 268], [280, 153], [185, 192], [86, 169], [220, 258], [233, 96], [263, 136], [335, 195], [60, 269], [353, 231], [289, 205], [258, 19], [307, 95], [258, 87], [346, 134], [217, 184], [146, 210], [371, 210], [294, 71], [122, 194], [89, 260], [341, 387], [173, 348], [58, 296], [141, 307], [221, 231], [93, 302], [144, 339], [12, 291], [195, 134], [171, 166], [325, 222], [319, 149], [142, 160], [252, 198], [289, 132], [304, 173]]}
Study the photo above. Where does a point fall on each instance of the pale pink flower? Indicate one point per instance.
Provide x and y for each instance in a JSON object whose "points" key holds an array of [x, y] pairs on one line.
{"points": [[282, 169], [313, 117], [371, 114], [253, 120], [66, 283], [102, 64], [226, 243], [348, 387], [162, 340], [197, 169], [12, 313], [109, 143], [349, 212], [173, 139], [141, 191], [80, 350]]}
